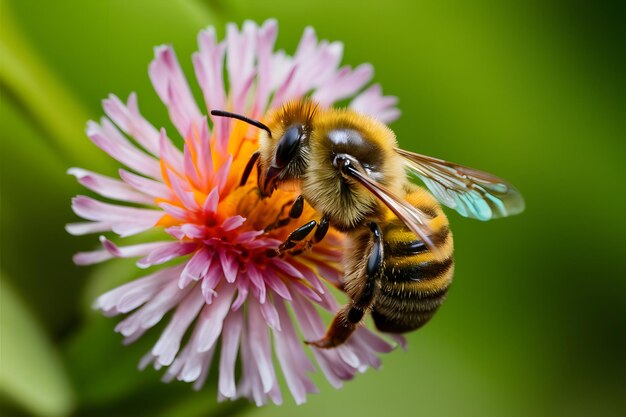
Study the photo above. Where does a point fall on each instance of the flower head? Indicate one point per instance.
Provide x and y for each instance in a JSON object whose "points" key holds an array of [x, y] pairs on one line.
{"points": [[221, 287]]}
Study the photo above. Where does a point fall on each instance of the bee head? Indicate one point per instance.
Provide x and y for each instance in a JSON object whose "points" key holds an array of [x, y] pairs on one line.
{"points": [[282, 160], [284, 150], [283, 143]]}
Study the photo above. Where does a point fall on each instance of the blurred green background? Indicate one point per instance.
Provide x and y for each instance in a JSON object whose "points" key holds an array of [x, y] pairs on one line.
{"points": [[534, 91]]}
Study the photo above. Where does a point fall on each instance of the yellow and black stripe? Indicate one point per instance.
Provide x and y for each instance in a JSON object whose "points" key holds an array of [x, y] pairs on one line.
{"points": [[414, 281]]}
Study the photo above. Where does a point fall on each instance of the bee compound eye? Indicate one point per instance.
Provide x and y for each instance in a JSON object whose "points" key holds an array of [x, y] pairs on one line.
{"points": [[288, 145]]}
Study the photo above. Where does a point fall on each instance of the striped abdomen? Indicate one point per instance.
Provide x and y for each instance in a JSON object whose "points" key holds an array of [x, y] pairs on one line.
{"points": [[415, 281]]}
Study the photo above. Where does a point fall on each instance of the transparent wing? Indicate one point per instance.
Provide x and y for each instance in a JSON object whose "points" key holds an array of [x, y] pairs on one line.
{"points": [[473, 193], [412, 217]]}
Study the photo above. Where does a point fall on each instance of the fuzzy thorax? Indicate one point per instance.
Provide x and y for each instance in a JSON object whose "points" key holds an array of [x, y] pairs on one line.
{"points": [[371, 143]]}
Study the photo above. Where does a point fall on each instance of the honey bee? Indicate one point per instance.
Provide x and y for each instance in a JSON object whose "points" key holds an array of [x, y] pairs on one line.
{"points": [[348, 166]]}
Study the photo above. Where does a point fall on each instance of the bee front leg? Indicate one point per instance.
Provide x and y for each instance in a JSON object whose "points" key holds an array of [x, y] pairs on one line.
{"points": [[297, 206], [298, 235], [246, 172], [320, 233], [346, 320]]}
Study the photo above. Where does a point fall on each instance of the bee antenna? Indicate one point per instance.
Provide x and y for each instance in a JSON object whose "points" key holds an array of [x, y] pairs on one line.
{"points": [[243, 118]]}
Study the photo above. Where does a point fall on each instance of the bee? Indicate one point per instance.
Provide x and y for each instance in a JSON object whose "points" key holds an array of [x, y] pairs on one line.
{"points": [[348, 166]]}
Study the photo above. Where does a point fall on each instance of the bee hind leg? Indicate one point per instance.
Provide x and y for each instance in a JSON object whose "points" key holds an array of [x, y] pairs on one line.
{"points": [[347, 319]]}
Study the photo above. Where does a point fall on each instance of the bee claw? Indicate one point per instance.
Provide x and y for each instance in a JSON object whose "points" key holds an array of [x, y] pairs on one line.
{"points": [[324, 343]]}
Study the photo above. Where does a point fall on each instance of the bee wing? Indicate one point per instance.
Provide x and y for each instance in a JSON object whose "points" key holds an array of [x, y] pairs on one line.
{"points": [[472, 193], [412, 217]]}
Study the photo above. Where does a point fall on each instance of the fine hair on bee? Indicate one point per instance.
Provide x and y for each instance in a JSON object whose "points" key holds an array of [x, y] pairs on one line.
{"points": [[348, 166]]}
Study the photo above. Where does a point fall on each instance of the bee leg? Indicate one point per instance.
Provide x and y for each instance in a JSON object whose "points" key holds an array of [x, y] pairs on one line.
{"points": [[347, 319], [320, 233], [294, 237], [322, 229], [296, 209], [297, 206], [246, 172]]}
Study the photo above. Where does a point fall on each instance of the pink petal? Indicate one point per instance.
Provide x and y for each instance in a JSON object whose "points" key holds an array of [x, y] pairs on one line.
{"points": [[248, 236], [109, 187], [230, 346], [309, 276], [348, 356], [78, 229], [400, 340], [207, 291], [130, 229], [176, 212], [208, 65], [266, 37], [306, 291], [242, 295], [233, 223], [170, 84], [270, 315], [211, 321], [288, 269], [91, 209], [292, 358], [263, 243], [194, 231], [282, 67], [211, 280], [257, 280], [131, 251], [275, 282], [331, 364], [240, 60], [168, 344], [230, 266], [372, 102], [166, 253], [261, 349], [191, 173], [191, 364], [344, 84], [195, 268], [389, 115], [133, 294], [90, 258], [329, 273], [373, 341], [183, 192], [197, 367], [205, 156], [211, 202], [110, 140], [221, 176], [130, 120], [206, 358], [154, 310], [169, 153], [147, 186], [284, 90]]}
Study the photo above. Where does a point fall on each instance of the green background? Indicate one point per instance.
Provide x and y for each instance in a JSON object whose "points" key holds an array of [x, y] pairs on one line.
{"points": [[534, 91]]}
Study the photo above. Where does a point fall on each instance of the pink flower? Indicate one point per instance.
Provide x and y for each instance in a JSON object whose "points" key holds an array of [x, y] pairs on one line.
{"points": [[222, 288]]}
